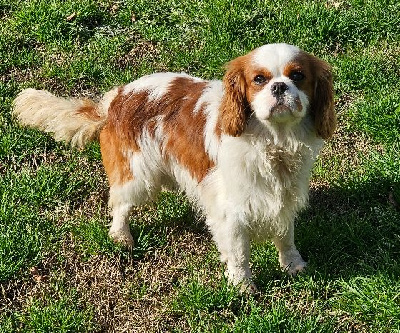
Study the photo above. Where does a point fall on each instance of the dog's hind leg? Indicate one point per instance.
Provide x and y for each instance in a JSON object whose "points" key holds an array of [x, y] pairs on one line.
{"points": [[134, 180], [125, 190], [121, 205]]}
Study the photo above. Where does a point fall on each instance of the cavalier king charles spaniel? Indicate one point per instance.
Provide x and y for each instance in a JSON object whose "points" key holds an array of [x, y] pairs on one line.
{"points": [[242, 149]]}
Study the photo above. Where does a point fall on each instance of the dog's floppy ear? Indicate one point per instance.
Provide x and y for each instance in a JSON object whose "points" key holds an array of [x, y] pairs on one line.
{"points": [[234, 106], [322, 106]]}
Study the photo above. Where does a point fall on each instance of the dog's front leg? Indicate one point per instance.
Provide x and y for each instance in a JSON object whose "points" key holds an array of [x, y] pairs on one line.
{"points": [[234, 245], [289, 257]]}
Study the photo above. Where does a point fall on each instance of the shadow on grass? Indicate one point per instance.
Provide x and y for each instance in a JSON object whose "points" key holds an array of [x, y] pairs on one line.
{"points": [[169, 218], [352, 230], [345, 231]]}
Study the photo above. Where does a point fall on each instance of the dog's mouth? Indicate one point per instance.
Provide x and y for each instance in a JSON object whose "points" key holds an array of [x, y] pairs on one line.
{"points": [[281, 111], [284, 110], [280, 107]]}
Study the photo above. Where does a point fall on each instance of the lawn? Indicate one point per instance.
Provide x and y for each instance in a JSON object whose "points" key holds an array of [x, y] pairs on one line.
{"points": [[59, 272]]}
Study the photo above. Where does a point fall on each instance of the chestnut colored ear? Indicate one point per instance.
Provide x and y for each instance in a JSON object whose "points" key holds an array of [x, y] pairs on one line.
{"points": [[322, 107], [234, 106]]}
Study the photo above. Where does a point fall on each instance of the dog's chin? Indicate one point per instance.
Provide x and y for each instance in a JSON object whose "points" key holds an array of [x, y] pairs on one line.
{"points": [[281, 113]]}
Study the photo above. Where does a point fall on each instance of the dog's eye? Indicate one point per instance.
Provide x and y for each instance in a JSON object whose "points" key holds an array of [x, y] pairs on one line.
{"points": [[296, 76], [260, 79]]}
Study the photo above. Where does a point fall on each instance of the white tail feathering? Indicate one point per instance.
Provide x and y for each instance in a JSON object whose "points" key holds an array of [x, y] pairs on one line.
{"points": [[72, 120]]}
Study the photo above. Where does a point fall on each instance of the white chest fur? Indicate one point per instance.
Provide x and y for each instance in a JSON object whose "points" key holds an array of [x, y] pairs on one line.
{"points": [[261, 184]]}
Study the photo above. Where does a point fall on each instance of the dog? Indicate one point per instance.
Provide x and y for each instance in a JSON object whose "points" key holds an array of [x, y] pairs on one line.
{"points": [[242, 149]]}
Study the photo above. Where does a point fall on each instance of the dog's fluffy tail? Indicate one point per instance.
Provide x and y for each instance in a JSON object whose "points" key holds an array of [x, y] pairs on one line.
{"points": [[72, 120]]}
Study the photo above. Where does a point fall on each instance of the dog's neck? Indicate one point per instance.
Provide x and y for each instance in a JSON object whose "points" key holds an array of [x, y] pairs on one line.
{"points": [[283, 136]]}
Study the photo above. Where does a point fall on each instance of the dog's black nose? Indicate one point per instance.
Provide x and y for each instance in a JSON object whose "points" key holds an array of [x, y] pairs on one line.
{"points": [[278, 88]]}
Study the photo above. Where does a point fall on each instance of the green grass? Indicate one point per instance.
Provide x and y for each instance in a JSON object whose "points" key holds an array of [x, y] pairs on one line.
{"points": [[58, 269], [52, 315]]}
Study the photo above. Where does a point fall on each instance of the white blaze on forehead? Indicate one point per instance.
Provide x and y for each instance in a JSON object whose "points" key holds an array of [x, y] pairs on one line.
{"points": [[274, 57]]}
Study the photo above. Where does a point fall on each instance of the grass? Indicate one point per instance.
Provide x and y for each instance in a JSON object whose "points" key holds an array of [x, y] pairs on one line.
{"points": [[58, 269]]}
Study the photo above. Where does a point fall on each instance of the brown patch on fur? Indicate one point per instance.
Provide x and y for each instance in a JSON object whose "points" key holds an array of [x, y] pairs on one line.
{"points": [[133, 113], [302, 64], [114, 141], [322, 106], [185, 129], [115, 162], [234, 109], [254, 88], [293, 66], [89, 111], [298, 104], [130, 114], [318, 86], [218, 129]]}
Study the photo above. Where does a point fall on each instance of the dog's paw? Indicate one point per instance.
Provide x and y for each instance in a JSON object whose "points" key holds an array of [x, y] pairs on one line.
{"points": [[241, 280], [122, 237], [295, 268], [248, 288], [292, 263]]}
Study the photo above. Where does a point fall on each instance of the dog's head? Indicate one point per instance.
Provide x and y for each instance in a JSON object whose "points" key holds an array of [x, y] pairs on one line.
{"points": [[279, 84]]}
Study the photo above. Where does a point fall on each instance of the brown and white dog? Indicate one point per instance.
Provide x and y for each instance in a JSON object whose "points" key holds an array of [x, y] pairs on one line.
{"points": [[241, 149]]}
